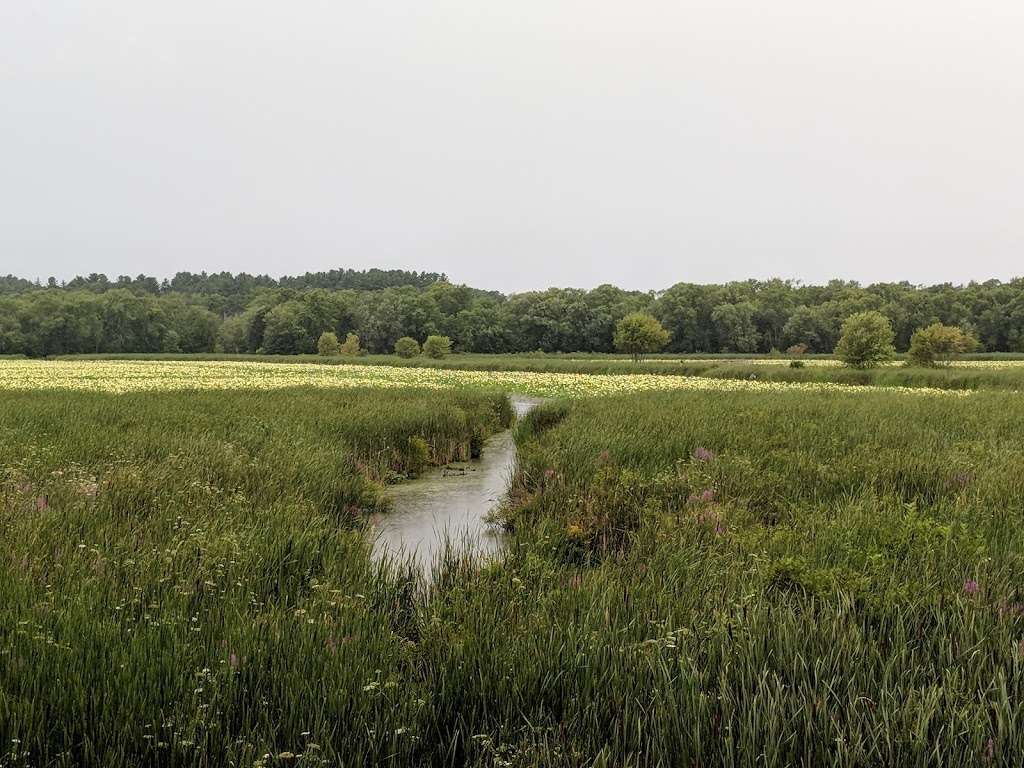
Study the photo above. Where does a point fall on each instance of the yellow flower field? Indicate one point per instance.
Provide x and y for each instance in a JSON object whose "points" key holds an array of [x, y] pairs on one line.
{"points": [[119, 376]]}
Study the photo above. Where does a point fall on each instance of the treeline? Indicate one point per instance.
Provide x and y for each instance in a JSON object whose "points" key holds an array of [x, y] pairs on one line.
{"points": [[230, 293], [244, 313]]}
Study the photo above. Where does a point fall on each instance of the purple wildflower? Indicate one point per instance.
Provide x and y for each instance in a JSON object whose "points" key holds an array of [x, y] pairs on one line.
{"points": [[701, 453], [708, 495], [971, 587], [42, 503], [233, 661]]}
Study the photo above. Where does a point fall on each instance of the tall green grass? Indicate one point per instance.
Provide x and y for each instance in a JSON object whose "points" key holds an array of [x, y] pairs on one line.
{"points": [[794, 580], [185, 579], [692, 578]]}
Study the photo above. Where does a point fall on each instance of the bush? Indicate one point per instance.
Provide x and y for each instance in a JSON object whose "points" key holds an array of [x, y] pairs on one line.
{"points": [[418, 456], [437, 346], [407, 347], [865, 340], [937, 344], [796, 363], [797, 350], [328, 345], [640, 334], [351, 346]]}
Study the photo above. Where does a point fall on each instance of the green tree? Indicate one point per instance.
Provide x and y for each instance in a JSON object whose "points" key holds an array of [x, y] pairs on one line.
{"points": [[865, 340], [284, 333], [639, 334], [806, 326], [437, 346], [231, 336], [351, 346], [407, 347], [328, 345], [735, 326], [939, 343]]}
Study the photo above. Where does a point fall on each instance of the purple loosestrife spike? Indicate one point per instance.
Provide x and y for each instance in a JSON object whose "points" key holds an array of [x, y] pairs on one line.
{"points": [[701, 453]]}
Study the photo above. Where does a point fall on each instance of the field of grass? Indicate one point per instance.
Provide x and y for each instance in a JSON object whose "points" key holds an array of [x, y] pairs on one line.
{"points": [[788, 580], [185, 579], [1003, 372], [723, 573]]}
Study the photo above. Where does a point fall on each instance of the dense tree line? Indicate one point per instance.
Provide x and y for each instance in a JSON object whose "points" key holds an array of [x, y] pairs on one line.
{"points": [[246, 313]]}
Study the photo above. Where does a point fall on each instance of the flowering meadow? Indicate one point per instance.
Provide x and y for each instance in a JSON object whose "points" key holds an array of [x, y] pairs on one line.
{"points": [[698, 571], [121, 376]]}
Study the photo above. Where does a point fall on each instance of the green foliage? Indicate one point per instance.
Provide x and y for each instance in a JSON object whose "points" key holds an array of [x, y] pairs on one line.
{"points": [[437, 347], [866, 340], [939, 344], [231, 313], [285, 332], [407, 347], [735, 327], [206, 554], [639, 334], [231, 336], [419, 455], [351, 346], [328, 345], [726, 578]]}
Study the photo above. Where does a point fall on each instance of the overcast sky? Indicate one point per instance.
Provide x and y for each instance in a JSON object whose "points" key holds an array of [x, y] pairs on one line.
{"points": [[515, 144]]}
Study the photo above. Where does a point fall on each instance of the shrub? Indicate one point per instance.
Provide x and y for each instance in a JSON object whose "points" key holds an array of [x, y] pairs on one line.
{"points": [[796, 363], [407, 347], [865, 340], [328, 345], [351, 346], [797, 350], [639, 334], [437, 346], [418, 456], [938, 343]]}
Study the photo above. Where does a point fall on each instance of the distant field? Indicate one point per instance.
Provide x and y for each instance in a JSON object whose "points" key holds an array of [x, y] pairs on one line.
{"points": [[999, 372], [120, 375]]}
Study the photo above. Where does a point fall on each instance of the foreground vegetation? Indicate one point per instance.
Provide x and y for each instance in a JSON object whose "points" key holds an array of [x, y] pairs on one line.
{"points": [[794, 580], [185, 577], [755, 575]]}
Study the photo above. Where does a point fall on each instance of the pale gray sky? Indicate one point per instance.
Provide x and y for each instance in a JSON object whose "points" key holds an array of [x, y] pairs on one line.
{"points": [[515, 144]]}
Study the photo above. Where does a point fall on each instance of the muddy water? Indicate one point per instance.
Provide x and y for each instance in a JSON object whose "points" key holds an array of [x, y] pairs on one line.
{"points": [[450, 502]]}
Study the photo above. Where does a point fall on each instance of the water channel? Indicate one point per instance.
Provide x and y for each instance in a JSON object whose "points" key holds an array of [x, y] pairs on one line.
{"points": [[450, 502]]}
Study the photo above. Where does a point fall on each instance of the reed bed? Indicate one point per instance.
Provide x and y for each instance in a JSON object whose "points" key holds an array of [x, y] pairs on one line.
{"points": [[693, 577]]}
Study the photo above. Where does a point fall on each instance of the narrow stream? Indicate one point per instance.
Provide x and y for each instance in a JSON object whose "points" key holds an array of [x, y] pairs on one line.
{"points": [[450, 502]]}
